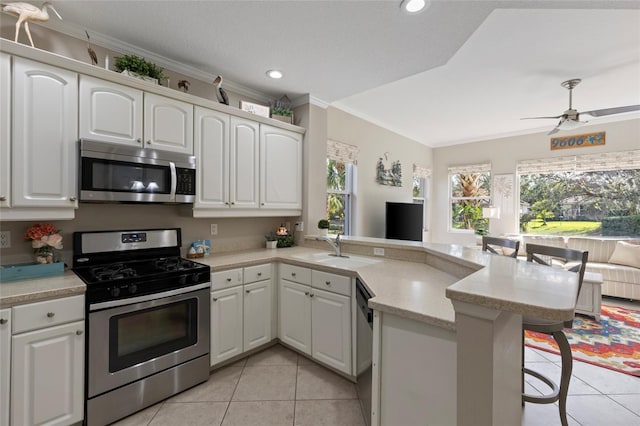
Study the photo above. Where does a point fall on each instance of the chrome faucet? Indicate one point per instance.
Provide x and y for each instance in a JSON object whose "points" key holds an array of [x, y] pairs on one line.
{"points": [[335, 244]]}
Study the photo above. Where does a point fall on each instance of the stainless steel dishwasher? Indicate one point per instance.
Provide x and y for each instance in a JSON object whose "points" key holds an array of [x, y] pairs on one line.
{"points": [[364, 339]]}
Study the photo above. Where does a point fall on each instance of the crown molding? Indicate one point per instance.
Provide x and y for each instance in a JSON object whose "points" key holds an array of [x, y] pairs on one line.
{"points": [[99, 39], [311, 100]]}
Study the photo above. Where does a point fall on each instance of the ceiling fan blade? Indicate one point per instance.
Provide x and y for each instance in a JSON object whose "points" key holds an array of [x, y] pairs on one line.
{"points": [[555, 130], [610, 111], [536, 118]]}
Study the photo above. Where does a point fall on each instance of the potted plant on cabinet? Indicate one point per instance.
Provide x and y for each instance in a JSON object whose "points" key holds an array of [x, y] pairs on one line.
{"points": [[323, 226], [272, 240], [281, 110], [136, 66]]}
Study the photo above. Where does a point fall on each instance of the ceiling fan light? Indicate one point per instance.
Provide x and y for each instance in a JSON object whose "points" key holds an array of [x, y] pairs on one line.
{"points": [[411, 7]]}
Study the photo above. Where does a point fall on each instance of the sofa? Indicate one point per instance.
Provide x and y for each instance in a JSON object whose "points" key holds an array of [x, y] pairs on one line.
{"points": [[617, 259]]}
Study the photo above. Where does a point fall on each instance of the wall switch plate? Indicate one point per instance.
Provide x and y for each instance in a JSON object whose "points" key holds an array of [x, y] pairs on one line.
{"points": [[300, 226], [214, 229], [378, 251], [5, 239]]}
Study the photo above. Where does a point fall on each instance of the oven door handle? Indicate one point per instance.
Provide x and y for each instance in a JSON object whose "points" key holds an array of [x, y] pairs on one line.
{"points": [[174, 180], [147, 297]]}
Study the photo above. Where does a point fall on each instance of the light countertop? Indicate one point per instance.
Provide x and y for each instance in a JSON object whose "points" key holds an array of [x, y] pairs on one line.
{"points": [[419, 289]]}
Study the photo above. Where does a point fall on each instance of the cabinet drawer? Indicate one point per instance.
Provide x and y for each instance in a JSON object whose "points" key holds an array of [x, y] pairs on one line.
{"points": [[331, 282], [295, 273], [48, 313], [257, 273], [224, 279]]}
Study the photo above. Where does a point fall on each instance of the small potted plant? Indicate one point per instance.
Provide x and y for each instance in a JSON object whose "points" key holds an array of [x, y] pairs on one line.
{"points": [[136, 66], [323, 226], [272, 240], [281, 110]]}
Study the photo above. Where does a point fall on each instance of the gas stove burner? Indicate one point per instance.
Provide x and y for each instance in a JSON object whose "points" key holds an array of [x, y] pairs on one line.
{"points": [[173, 264], [114, 271]]}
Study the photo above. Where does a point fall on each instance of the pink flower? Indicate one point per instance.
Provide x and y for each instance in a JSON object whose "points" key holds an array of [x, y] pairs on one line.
{"points": [[54, 241]]}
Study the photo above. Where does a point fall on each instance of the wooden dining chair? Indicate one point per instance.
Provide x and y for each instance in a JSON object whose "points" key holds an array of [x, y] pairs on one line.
{"points": [[544, 255], [490, 243]]}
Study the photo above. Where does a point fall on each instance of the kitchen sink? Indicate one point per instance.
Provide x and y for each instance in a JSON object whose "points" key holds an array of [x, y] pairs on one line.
{"points": [[350, 262]]}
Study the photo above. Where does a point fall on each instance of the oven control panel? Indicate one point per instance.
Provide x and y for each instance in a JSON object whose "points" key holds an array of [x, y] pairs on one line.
{"points": [[134, 237]]}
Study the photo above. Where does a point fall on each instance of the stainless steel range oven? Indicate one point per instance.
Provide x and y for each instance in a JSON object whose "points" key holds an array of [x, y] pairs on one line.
{"points": [[147, 321]]}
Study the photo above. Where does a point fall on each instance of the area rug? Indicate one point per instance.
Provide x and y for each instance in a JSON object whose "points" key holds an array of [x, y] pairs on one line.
{"points": [[613, 342]]}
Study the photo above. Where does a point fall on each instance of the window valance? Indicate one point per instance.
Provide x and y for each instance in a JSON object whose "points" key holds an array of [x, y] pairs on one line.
{"points": [[421, 172], [342, 152], [470, 168], [621, 160]]}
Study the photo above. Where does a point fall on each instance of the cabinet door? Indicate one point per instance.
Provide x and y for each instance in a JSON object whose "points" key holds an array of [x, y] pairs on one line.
{"points": [[45, 133], [212, 155], [110, 112], [168, 124], [257, 314], [331, 329], [5, 364], [244, 170], [295, 315], [47, 376], [280, 168], [226, 324], [5, 130]]}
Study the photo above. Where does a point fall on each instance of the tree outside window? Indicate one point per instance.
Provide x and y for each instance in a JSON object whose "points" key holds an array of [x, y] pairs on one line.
{"points": [[469, 193], [338, 196]]}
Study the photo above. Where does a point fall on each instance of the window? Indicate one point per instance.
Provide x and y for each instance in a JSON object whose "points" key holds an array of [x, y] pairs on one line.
{"points": [[469, 189], [341, 169], [587, 195], [421, 177]]}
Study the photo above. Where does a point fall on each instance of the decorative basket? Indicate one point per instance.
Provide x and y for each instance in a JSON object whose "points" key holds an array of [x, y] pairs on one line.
{"points": [[25, 271]]}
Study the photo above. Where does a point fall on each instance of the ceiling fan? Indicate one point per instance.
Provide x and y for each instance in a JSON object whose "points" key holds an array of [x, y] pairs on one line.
{"points": [[570, 119]]}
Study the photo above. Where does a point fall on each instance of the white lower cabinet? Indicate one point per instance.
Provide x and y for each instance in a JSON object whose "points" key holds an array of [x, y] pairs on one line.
{"points": [[226, 324], [47, 362], [241, 314], [5, 364], [316, 322]]}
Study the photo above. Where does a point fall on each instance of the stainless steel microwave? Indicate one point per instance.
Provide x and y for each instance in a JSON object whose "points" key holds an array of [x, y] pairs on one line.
{"points": [[110, 172]]}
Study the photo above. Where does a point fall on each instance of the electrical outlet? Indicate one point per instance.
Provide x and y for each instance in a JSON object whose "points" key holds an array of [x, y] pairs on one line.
{"points": [[214, 229], [300, 226], [378, 251], [5, 239]]}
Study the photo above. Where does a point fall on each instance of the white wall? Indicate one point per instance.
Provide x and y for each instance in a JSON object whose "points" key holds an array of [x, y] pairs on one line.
{"points": [[373, 142], [504, 154]]}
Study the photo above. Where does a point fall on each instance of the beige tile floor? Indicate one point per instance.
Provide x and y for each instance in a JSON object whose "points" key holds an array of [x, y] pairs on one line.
{"points": [[278, 387]]}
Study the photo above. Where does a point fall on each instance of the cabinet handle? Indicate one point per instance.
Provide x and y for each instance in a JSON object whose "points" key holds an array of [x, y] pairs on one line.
{"points": [[262, 204], [311, 295], [149, 142], [139, 140], [228, 280], [247, 291], [3, 198], [327, 282], [3, 321], [72, 198], [293, 274], [233, 203], [306, 293], [215, 299], [259, 274], [79, 332], [51, 314], [226, 203]]}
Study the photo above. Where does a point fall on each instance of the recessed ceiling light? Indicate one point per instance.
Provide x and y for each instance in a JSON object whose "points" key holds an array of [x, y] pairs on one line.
{"points": [[274, 74], [412, 7]]}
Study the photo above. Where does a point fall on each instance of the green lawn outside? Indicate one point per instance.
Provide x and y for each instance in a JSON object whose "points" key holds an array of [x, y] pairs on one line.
{"points": [[564, 228]]}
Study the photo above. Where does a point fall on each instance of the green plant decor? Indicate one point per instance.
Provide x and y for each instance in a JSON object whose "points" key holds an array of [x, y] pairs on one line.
{"points": [[286, 241], [139, 66], [270, 237], [323, 224], [283, 111]]}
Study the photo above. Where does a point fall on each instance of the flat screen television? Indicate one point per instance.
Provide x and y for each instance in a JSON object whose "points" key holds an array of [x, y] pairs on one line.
{"points": [[404, 221]]}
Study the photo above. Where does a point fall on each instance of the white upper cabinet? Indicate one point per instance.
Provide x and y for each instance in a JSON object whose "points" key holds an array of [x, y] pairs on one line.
{"points": [[212, 156], [280, 168], [168, 124], [44, 125], [244, 171], [110, 112], [5, 130]]}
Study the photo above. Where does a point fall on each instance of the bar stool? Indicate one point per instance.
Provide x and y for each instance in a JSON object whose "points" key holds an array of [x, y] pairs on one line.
{"points": [[554, 329], [488, 244]]}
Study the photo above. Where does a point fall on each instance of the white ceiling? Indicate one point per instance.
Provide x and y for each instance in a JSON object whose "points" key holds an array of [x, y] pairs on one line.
{"points": [[460, 71]]}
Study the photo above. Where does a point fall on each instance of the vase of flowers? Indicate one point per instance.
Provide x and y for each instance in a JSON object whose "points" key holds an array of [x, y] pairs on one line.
{"points": [[44, 239]]}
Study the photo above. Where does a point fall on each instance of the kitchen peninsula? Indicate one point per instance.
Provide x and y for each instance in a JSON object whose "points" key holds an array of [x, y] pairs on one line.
{"points": [[447, 324]]}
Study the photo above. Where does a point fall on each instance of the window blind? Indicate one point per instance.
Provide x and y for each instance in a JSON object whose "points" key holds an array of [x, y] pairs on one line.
{"points": [[546, 165], [470, 168], [342, 152], [421, 172], [622, 160]]}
